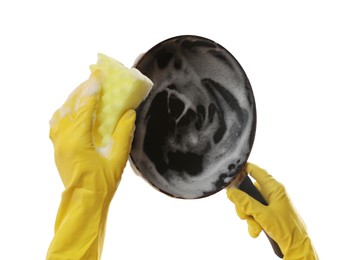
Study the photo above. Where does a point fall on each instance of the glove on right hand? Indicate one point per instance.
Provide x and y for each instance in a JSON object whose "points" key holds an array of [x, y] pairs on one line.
{"points": [[279, 219]]}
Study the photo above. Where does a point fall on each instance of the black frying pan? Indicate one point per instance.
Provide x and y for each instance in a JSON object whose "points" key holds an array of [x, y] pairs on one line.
{"points": [[195, 130]]}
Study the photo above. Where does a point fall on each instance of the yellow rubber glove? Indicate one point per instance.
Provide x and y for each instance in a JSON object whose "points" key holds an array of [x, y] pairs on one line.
{"points": [[90, 178], [279, 219]]}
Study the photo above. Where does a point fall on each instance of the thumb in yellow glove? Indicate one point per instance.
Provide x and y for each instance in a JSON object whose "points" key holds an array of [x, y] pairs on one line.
{"points": [[279, 219]]}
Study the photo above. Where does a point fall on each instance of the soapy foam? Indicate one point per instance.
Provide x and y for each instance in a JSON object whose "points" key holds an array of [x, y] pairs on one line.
{"points": [[199, 80], [105, 150], [63, 111], [89, 88]]}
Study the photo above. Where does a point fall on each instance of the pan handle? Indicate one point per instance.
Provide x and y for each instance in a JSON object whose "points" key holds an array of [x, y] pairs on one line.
{"points": [[248, 187]]}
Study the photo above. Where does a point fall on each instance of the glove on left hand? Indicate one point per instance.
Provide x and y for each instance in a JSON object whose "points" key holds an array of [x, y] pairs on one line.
{"points": [[89, 178]]}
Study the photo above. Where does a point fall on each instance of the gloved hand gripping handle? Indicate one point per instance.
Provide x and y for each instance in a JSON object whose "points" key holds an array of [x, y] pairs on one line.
{"points": [[248, 187]]}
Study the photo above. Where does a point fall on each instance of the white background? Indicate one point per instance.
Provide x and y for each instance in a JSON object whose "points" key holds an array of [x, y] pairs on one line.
{"points": [[305, 61]]}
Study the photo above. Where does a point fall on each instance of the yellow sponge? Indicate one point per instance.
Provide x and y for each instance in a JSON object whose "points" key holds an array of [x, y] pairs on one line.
{"points": [[121, 89]]}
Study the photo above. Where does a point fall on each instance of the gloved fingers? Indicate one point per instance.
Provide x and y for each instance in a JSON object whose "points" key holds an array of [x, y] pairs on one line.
{"points": [[61, 113], [88, 89], [74, 101], [69, 105], [270, 188], [247, 205], [79, 97], [122, 137], [240, 213], [256, 184], [265, 181], [59, 120], [254, 228], [86, 112], [259, 174], [53, 123]]}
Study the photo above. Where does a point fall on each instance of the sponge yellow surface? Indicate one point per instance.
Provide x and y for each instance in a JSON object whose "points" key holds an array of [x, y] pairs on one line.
{"points": [[121, 89]]}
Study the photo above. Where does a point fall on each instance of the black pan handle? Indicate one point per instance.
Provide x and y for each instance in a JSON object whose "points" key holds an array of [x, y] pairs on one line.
{"points": [[248, 187]]}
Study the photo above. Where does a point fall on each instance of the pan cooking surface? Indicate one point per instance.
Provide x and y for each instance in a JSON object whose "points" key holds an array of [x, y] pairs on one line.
{"points": [[195, 130]]}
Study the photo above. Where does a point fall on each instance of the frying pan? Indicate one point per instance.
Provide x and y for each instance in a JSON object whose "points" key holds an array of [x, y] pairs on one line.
{"points": [[195, 130]]}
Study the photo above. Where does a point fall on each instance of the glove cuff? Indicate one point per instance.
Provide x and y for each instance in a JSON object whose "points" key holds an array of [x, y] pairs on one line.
{"points": [[301, 251], [80, 225]]}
